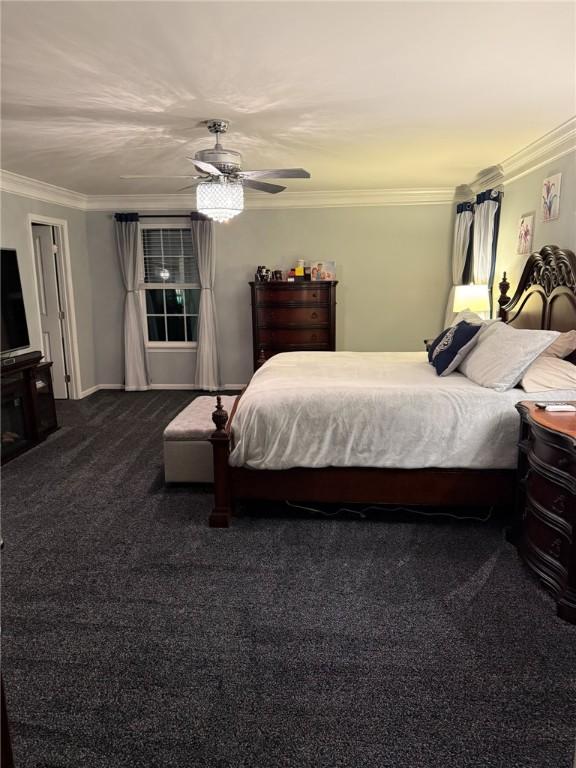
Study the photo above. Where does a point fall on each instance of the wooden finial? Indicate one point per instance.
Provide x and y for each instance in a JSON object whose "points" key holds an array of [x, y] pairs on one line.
{"points": [[261, 357], [220, 416], [503, 299]]}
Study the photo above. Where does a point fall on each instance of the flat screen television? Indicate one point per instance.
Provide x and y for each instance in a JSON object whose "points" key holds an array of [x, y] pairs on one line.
{"points": [[14, 326]]}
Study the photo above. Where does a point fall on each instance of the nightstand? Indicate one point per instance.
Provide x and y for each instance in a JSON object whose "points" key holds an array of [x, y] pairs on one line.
{"points": [[546, 502]]}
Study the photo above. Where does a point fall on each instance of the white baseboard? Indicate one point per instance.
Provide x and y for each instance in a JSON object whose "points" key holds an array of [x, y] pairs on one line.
{"points": [[171, 386], [224, 387], [98, 387], [85, 392]]}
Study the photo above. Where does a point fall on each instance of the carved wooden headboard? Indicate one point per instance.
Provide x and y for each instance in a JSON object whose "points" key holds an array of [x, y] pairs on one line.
{"points": [[546, 294]]}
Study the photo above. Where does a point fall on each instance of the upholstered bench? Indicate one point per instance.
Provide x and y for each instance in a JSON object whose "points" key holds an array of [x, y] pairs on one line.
{"points": [[187, 447]]}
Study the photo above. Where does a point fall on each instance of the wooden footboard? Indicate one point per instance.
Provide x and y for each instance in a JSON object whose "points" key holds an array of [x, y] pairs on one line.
{"points": [[418, 487]]}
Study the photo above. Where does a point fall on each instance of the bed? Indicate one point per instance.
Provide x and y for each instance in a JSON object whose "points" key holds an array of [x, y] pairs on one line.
{"points": [[382, 428]]}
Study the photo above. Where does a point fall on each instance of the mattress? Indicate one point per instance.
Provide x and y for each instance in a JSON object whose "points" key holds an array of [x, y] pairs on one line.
{"points": [[373, 409]]}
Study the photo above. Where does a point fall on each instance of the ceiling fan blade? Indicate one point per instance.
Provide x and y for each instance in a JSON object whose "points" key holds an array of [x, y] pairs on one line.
{"points": [[263, 186], [161, 177], [276, 173], [205, 167]]}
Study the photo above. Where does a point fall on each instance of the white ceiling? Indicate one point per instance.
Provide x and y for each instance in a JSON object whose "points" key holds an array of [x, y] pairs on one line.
{"points": [[363, 95]]}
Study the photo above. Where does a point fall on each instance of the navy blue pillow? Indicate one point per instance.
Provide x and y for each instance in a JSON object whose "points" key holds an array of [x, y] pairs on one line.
{"points": [[431, 345], [451, 347]]}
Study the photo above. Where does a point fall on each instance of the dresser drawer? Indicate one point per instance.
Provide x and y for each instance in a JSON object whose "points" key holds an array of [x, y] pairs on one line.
{"points": [[555, 499], [299, 295], [282, 317], [294, 337], [552, 455], [547, 541]]}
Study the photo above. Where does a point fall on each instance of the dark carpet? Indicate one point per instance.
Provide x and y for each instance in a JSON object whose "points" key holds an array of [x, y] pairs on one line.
{"points": [[134, 635]]}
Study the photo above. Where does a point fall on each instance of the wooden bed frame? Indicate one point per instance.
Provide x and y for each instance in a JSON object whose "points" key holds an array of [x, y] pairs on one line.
{"points": [[545, 299]]}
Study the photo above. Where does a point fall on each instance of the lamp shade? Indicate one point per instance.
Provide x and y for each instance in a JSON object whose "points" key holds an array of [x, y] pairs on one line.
{"points": [[472, 297], [220, 200]]}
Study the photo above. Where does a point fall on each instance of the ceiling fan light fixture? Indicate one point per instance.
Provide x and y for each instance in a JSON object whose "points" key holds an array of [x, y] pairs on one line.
{"points": [[221, 199]]}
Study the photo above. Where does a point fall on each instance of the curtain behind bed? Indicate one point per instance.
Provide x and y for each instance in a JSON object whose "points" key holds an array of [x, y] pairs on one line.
{"points": [[462, 226], [486, 223]]}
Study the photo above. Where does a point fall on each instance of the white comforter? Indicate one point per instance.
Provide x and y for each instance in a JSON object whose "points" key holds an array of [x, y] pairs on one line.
{"points": [[373, 409]]}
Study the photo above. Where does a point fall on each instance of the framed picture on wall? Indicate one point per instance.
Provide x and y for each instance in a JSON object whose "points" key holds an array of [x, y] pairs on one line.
{"points": [[551, 197], [525, 234]]}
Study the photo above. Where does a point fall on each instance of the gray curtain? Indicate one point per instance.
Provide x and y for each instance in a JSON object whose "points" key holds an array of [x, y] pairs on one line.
{"points": [[462, 224], [127, 236], [485, 236], [486, 225], [207, 369]]}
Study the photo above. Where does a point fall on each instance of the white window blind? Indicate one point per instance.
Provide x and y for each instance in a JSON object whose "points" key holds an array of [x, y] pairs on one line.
{"points": [[169, 257]]}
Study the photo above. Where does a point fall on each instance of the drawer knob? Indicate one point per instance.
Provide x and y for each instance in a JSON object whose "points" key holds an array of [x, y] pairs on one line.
{"points": [[558, 505], [555, 548], [314, 295], [314, 315], [314, 337]]}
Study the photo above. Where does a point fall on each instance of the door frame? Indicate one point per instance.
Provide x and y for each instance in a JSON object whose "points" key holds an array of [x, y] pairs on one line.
{"points": [[69, 323]]}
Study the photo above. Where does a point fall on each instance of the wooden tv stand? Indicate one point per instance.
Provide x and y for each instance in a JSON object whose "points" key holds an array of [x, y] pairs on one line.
{"points": [[28, 410]]}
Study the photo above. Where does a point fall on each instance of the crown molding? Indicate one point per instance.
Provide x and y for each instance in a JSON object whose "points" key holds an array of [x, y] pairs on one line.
{"points": [[49, 193], [548, 148], [315, 199], [543, 151], [353, 198], [41, 190], [488, 178]]}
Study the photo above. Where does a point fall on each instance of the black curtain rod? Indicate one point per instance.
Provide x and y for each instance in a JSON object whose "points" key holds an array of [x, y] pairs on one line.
{"points": [[192, 215]]}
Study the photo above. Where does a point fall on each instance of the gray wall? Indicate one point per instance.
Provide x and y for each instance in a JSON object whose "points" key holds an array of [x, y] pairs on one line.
{"points": [[15, 233], [392, 266], [107, 298], [522, 197]]}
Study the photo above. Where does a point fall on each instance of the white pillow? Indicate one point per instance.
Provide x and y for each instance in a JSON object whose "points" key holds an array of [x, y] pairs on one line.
{"points": [[487, 328], [564, 345], [549, 373], [468, 316], [503, 353]]}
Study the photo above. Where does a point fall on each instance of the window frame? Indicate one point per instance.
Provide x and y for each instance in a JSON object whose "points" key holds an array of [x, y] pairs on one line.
{"points": [[160, 223]]}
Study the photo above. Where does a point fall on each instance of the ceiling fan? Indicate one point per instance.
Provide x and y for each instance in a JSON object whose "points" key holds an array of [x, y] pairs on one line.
{"points": [[220, 188]]}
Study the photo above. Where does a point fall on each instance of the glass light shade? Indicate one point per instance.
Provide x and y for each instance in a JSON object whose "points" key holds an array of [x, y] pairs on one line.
{"points": [[472, 297], [220, 200]]}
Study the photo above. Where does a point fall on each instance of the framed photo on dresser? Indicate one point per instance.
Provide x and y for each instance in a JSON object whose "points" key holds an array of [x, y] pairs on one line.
{"points": [[323, 270]]}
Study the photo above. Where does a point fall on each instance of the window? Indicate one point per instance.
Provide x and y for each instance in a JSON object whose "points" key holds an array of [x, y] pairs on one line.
{"points": [[171, 286]]}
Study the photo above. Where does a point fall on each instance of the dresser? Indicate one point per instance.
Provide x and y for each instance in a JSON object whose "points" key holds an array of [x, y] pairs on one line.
{"points": [[546, 509], [292, 316], [28, 410]]}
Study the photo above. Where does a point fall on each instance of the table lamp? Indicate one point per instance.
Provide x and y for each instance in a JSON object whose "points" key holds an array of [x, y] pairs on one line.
{"points": [[472, 297]]}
